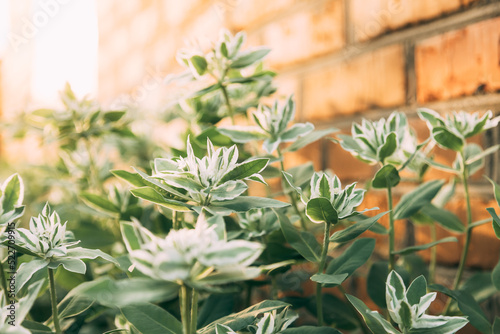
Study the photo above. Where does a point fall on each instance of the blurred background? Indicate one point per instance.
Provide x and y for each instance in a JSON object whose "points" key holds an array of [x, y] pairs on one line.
{"points": [[342, 59]]}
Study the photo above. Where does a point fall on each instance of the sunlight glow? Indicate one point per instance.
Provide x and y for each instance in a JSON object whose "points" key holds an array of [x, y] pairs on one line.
{"points": [[4, 25], [65, 50]]}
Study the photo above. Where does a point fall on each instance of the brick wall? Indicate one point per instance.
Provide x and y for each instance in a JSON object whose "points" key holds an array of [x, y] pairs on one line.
{"points": [[343, 60]]}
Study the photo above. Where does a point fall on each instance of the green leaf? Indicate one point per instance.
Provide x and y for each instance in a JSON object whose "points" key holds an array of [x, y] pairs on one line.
{"points": [[416, 290], [222, 329], [245, 170], [12, 192], [149, 194], [70, 264], [405, 314], [430, 116], [439, 325], [205, 90], [250, 57], [496, 325], [479, 156], [389, 147], [495, 276], [199, 63], [331, 280], [85, 253], [443, 217], [496, 190], [12, 215], [412, 249], [128, 291], [215, 136], [413, 201], [356, 229], [447, 139], [245, 203], [240, 321], [29, 269], [73, 305], [113, 116], [36, 327], [468, 305], [133, 178], [214, 307], [242, 134], [352, 258], [228, 275], [373, 320], [311, 330], [295, 131], [228, 190], [321, 210], [375, 282], [496, 221], [130, 236], [151, 319], [480, 286], [309, 138], [303, 242], [385, 177], [99, 203]]}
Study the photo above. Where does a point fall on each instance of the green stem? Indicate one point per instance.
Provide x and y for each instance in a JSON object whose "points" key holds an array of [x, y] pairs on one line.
{"points": [[194, 311], [175, 220], [468, 235], [392, 260], [291, 195], [53, 299], [185, 304], [432, 265], [465, 250], [230, 109], [321, 269]]}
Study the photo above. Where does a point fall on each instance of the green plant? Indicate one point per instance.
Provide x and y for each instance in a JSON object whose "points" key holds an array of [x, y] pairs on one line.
{"points": [[407, 309], [194, 246]]}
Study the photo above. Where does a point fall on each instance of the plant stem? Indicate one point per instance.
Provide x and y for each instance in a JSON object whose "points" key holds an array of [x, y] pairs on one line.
{"points": [[321, 269], [468, 235], [465, 250], [175, 220], [392, 260], [291, 195], [230, 109], [53, 299], [432, 265], [194, 311], [185, 304]]}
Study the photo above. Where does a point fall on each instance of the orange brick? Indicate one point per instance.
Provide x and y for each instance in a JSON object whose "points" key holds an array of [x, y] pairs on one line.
{"points": [[306, 34], [310, 153], [246, 14], [376, 79], [459, 62], [373, 18], [348, 168], [484, 248]]}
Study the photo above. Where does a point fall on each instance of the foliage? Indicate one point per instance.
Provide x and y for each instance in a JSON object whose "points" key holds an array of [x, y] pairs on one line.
{"points": [[407, 308], [191, 244]]}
